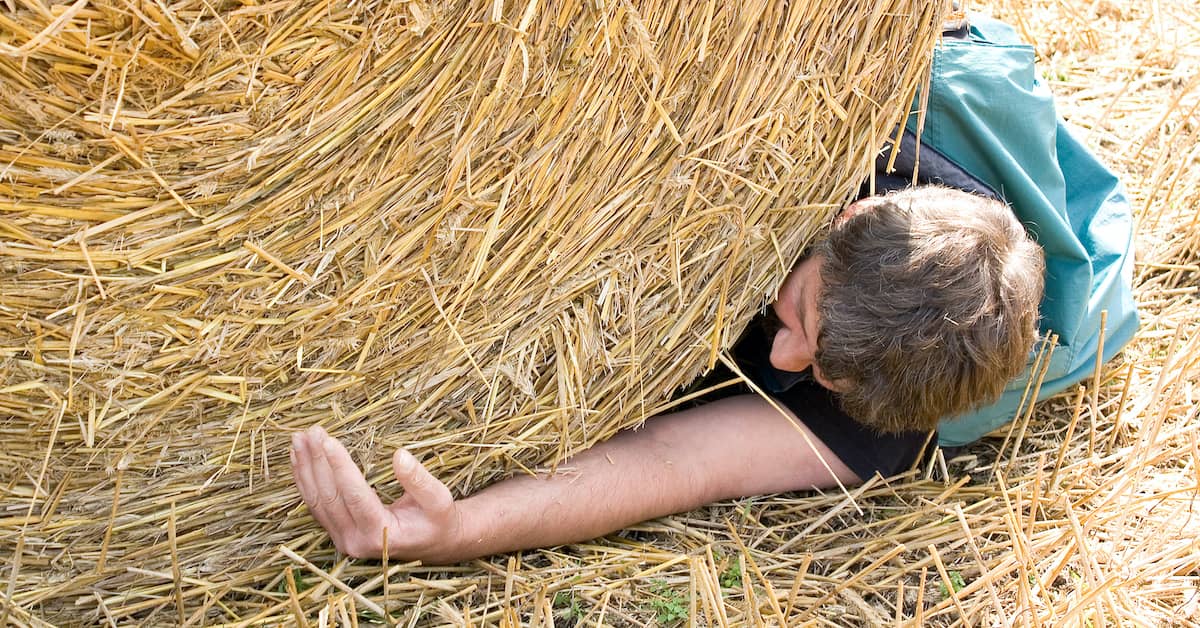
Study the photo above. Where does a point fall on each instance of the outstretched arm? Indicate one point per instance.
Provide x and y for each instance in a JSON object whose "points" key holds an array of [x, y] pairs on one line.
{"points": [[730, 448]]}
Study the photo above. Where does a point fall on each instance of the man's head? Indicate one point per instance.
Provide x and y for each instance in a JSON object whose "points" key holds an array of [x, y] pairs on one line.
{"points": [[928, 306]]}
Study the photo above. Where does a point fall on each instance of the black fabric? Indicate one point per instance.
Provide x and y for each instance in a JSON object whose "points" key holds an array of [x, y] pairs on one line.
{"points": [[934, 167], [860, 448]]}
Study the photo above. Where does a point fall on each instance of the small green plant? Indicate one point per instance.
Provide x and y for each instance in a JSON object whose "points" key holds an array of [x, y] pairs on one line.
{"points": [[568, 607], [731, 577], [670, 606], [956, 581], [297, 579], [370, 618]]}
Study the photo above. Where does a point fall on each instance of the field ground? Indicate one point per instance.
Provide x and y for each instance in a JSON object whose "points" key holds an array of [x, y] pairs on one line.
{"points": [[1085, 521]]}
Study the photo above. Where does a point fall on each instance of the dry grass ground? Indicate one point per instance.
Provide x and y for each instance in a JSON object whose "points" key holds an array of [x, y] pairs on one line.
{"points": [[1088, 522]]}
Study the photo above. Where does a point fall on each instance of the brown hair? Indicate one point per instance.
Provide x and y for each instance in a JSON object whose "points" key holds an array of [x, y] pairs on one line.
{"points": [[929, 306]]}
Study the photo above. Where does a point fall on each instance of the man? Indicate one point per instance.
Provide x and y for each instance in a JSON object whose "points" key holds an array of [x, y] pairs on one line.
{"points": [[918, 305]]}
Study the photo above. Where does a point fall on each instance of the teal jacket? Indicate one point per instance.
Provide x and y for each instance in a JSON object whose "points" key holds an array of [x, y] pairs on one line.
{"points": [[989, 115]]}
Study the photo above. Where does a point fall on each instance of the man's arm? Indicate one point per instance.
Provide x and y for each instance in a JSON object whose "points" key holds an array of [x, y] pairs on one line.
{"points": [[730, 448]]}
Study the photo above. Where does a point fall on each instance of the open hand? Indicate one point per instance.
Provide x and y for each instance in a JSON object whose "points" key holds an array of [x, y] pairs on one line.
{"points": [[424, 524]]}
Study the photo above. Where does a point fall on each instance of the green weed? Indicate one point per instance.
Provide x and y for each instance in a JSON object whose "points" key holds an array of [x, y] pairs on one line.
{"points": [[731, 577], [670, 606], [956, 581], [568, 607]]}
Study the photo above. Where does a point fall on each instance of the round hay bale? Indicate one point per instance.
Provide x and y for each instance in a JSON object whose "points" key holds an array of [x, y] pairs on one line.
{"points": [[492, 232]]}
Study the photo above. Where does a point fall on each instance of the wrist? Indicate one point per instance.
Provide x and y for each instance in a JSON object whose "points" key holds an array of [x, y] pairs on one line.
{"points": [[452, 546], [482, 527]]}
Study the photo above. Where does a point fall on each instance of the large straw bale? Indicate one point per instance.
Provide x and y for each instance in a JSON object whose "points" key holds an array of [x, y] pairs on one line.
{"points": [[493, 232]]}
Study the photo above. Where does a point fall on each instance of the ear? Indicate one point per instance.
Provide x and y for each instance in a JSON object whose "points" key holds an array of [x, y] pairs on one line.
{"points": [[867, 203]]}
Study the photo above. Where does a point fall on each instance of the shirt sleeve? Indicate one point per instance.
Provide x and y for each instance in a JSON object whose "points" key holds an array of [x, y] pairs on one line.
{"points": [[862, 449]]}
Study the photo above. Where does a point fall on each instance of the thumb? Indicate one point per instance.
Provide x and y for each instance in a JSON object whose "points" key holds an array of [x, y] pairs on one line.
{"points": [[430, 494]]}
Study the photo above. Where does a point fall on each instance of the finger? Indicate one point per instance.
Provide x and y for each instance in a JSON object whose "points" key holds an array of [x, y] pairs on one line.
{"points": [[430, 494], [358, 498], [302, 471], [302, 467], [295, 467], [328, 491]]}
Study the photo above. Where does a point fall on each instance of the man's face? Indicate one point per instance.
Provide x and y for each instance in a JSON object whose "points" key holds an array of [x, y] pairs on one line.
{"points": [[795, 345]]}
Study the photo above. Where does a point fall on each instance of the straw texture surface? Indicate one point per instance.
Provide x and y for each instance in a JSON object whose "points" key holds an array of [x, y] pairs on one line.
{"points": [[492, 232]]}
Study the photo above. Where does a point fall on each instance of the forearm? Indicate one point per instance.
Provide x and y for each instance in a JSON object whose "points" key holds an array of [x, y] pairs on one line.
{"points": [[729, 448], [635, 476]]}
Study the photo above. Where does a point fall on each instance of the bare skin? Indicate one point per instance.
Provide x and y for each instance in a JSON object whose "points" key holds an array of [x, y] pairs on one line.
{"points": [[731, 448], [795, 345]]}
